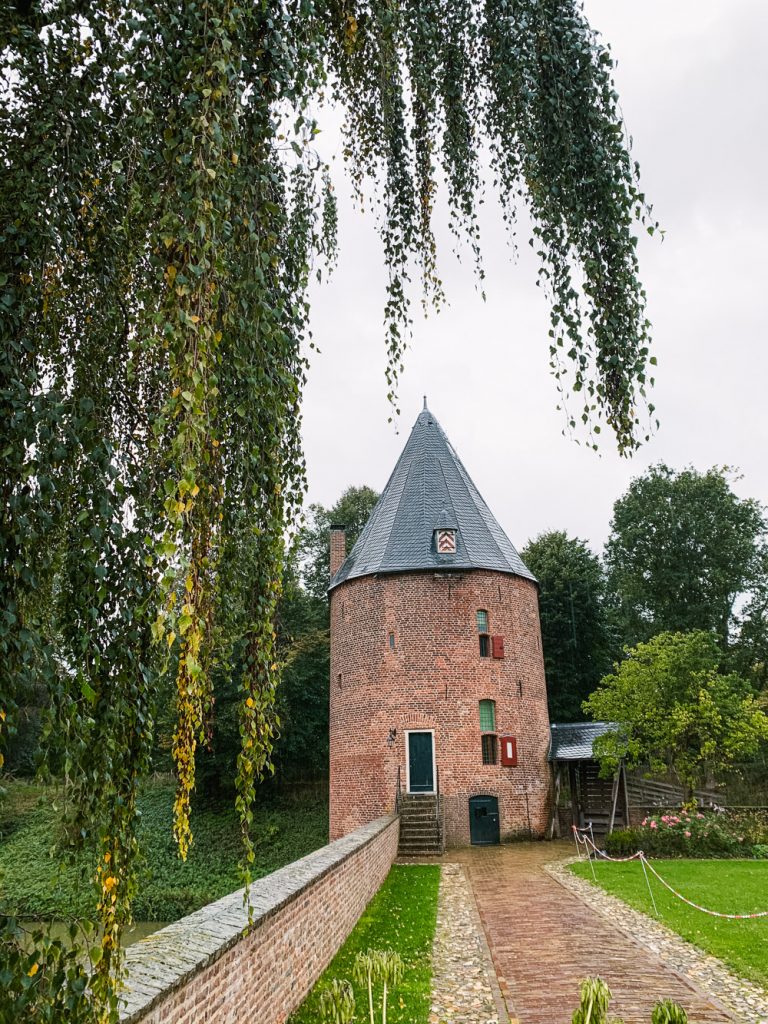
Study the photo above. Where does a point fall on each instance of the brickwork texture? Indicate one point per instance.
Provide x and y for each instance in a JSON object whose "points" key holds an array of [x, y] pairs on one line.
{"points": [[202, 968], [405, 656]]}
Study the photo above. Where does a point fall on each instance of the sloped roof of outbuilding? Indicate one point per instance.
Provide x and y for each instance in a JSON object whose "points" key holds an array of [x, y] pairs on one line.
{"points": [[573, 741], [430, 489]]}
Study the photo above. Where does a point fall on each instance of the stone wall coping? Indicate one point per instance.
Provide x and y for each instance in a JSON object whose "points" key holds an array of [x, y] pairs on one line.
{"points": [[165, 960]]}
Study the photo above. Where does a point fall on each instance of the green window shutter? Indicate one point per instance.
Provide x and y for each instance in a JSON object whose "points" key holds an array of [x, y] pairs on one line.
{"points": [[487, 716]]}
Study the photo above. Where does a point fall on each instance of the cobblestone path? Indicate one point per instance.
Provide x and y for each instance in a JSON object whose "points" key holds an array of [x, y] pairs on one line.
{"points": [[544, 940], [462, 979]]}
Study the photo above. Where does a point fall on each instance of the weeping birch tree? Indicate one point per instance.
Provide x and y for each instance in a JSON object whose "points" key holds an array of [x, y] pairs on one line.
{"points": [[162, 206]]}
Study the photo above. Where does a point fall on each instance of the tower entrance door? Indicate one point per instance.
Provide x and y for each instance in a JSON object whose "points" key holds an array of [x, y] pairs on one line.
{"points": [[483, 820], [421, 762]]}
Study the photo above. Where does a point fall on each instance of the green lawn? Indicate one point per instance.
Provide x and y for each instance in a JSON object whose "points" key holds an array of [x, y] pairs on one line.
{"points": [[34, 884], [401, 916], [731, 886]]}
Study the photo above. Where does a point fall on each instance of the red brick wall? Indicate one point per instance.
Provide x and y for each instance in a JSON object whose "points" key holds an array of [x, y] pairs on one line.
{"points": [[434, 679], [338, 548], [202, 969]]}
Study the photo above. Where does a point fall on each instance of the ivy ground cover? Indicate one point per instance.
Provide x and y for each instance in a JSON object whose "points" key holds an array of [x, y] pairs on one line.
{"points": [[402, 917], [730, 886], [36, 885]]}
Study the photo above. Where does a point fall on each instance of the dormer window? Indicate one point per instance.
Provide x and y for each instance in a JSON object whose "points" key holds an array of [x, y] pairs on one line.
{"points": [[445, 542]]}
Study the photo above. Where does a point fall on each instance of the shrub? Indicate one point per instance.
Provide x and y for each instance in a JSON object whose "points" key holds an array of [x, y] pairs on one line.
{"points": [[692, 833], [622, 842]]}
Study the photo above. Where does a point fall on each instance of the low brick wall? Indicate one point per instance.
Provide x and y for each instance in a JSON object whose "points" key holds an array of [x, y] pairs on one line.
{"points": [[202, 969]]}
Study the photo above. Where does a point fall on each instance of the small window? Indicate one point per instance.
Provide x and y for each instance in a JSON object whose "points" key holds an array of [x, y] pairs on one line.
{"points": [[391, 641], [490, 749], [487, 716], [482, 628]]}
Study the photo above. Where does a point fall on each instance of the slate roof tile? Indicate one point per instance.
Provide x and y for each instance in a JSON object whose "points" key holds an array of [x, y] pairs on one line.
{"points": [[430, 488], [572, 741]]}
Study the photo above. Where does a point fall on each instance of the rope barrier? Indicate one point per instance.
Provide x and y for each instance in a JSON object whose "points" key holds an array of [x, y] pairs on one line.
{"points": [[587, 841], [704, 910]]}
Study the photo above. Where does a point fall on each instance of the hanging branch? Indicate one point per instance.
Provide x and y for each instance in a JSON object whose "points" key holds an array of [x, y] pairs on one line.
{"points": [[161, 210]]}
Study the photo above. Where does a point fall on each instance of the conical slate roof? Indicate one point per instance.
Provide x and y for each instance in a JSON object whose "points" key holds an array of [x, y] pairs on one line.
{"points": [[428, 490]]}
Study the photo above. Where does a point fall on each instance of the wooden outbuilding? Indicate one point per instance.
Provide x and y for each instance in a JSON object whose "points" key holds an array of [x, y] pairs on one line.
{"points": [[581, 796]]}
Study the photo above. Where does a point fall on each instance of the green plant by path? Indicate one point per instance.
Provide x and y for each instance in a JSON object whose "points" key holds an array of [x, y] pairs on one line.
{"points": [[400, 919], [731, 886], [33, 884], [337, 1003], [595, 997]]}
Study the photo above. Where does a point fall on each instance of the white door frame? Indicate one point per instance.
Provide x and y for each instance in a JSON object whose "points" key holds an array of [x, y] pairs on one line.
{"points": [[426, 792]]}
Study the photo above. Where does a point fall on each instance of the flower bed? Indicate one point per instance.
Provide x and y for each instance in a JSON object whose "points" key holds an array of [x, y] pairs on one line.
{"points": [[693, 833]]}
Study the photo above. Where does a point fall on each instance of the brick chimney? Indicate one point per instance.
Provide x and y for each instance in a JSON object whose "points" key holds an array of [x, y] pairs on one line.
{"points": [[338, 547]]}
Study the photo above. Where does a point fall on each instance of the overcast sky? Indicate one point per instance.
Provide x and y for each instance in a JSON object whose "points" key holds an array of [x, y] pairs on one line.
{"points": [[693, 81]]}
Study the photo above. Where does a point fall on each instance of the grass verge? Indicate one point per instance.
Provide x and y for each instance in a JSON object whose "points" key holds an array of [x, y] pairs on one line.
{"points": [[401, 916], [36, 883], [731, 886]]}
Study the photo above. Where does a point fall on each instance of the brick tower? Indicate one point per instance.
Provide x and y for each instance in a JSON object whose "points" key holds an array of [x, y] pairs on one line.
{"points": [[437, 675]]}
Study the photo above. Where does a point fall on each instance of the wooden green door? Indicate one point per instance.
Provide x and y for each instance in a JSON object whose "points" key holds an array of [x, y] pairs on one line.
{"points": [[421, 769], [484, 820]]}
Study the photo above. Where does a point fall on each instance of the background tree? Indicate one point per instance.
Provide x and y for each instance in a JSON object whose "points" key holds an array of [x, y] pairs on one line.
{"points": [[683, 553], [161, 209], [749, 651], [574, 630], [675, 710], [352, 510]]}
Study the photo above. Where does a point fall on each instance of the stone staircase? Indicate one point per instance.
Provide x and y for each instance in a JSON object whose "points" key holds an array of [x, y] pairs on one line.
{"points": [[420, 826]]}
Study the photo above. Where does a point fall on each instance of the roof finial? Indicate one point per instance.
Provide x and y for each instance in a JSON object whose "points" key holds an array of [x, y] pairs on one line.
{"points": [[425, 401]]}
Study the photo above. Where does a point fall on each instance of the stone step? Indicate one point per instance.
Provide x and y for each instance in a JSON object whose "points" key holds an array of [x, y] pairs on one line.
{"points": [[433, 850], [419, 840], [419, 830]]}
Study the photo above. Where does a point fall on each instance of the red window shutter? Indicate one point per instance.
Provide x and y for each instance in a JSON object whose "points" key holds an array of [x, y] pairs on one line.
{"points": [[497, 646], [508, 751]]}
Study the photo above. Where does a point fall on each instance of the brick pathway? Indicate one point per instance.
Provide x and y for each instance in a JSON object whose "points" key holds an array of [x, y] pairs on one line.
{"points": [[544, 940]]}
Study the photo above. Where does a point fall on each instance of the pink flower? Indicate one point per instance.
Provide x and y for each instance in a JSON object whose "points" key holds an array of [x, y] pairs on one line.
{"points": [[687, 835], [645, 821], [654, 825], [700, 816]]}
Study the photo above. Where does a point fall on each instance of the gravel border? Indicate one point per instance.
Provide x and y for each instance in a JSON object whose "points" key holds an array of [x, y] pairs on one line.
{"points": [[464, 985], [747, 1000]]}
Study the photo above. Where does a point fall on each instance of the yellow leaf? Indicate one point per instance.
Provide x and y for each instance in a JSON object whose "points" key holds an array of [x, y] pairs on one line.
{"points": [[189, 584], [249, 702], [195, 491], [33, 970], [170, 273], [171, 638], [195, 319], [235, 159]]}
